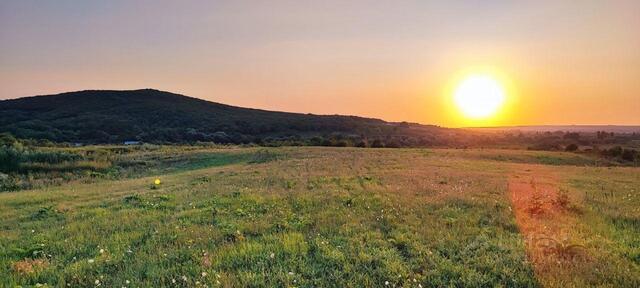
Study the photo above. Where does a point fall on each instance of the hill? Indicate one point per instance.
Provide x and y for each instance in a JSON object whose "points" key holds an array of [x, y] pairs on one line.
{"points": [[106, 116], [564, 128]]}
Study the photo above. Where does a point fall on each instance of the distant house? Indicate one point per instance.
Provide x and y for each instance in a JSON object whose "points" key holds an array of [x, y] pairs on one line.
{"points": [[131, 142]]}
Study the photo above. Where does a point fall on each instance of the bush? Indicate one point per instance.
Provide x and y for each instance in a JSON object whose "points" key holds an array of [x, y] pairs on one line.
{"points": [[571, 148], [9, 159], [377, 144], [7, 140], [629, 154]]}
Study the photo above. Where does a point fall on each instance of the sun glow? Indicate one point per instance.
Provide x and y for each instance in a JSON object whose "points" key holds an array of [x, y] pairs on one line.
{"points": [[479, 96]]}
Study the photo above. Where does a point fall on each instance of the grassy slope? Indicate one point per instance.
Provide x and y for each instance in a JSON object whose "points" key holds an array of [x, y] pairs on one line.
{"points": [[312, 217]]}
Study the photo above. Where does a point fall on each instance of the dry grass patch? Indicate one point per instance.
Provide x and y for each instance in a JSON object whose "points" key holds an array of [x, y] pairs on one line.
{"points": [[29, 266]]}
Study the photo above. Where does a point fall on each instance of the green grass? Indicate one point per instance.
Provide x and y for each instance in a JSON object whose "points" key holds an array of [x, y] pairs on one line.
{"points": [[303, 217]]}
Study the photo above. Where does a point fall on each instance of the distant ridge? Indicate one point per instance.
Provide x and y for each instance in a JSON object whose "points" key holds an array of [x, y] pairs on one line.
{"points": [[564, 128], [112, 116]]}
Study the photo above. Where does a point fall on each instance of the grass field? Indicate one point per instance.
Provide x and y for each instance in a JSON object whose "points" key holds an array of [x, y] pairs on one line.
{"points": [[330, 217]]}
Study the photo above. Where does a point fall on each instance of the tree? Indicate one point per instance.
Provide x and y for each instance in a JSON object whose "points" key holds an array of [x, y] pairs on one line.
{"points": [[571, 147], [572, 135], [629, 154], [377, 144]]}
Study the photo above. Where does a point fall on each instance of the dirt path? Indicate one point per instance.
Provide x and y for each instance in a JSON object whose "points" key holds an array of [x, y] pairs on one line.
{"points": [[543, 215]]}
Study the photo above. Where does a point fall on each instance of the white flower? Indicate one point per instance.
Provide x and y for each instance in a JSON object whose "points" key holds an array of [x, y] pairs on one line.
{"points": [[91, 260], [272, 255], [97, 282], [101, 251], [386, 282], [204, 274], [173, 281], [184, 278], [290, 273], [127, 281]]}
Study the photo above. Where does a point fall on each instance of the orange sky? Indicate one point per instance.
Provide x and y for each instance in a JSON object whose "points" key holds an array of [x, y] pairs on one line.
{"points": [[564, 62]]}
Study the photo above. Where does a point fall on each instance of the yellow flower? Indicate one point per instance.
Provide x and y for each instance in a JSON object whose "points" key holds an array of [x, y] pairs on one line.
{"points": [[157, 182]]}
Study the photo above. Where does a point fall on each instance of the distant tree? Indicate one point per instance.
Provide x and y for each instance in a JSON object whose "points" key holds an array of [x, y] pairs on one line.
{"points": [[601, 135], [326, 142], [340, 143], [629, 154], [571, 147], [315, 141], [377, 144], [612, 152], [392, 143], [572, 135], [362, 143]]}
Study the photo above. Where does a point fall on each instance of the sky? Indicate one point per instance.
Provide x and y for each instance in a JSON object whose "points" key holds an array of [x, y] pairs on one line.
{"points": [[560, 62]]}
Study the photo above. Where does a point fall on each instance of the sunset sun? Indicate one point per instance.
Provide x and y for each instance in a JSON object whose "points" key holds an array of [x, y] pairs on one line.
{"points": [[479, 96]]}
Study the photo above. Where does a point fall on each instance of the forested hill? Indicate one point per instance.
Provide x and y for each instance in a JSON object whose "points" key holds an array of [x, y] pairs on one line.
{"points": [[103, 116]]}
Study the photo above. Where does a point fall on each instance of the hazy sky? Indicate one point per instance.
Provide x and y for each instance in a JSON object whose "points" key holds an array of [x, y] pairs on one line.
{"points": [[564, 62]]}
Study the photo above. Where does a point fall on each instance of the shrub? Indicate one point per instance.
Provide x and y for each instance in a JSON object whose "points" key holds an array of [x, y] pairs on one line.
{"points": [[377, 144], [8, 140], [571, 147], [629, 154], [9, 159]]}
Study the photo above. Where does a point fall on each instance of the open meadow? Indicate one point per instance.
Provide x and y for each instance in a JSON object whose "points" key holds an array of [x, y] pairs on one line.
{"points": [[324, 217]]}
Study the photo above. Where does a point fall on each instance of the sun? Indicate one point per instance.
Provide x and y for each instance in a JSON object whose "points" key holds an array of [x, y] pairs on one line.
{"points": [[479, 96]]}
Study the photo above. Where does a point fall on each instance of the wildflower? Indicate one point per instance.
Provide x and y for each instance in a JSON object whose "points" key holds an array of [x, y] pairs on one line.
{"points": [[157, 182], [97, 282], [173, 281], [101, 251], [91, 260], [127, 281], [290, 273], [272, 255], [33, 231], [386, 283], [184, 278], [204, 274]]}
